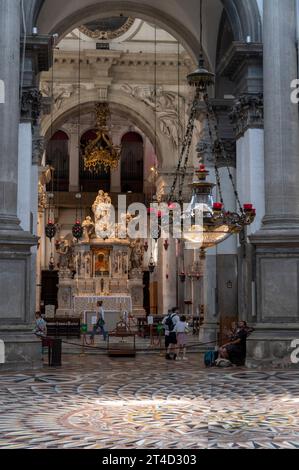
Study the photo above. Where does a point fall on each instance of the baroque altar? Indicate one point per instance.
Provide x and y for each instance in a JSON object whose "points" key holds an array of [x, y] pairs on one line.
{"points": [[107, 267]]}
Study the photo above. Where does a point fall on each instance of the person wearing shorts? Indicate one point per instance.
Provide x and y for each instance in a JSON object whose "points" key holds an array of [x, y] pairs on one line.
{"points": [[181, 329], [170, 334]]}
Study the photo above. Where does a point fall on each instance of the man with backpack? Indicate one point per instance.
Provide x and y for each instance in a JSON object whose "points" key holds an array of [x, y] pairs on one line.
{"points": [[169, 324]]}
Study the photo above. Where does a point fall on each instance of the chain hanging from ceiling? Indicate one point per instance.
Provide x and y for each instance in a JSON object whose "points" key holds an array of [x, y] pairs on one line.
{"points": [[218, 224]]}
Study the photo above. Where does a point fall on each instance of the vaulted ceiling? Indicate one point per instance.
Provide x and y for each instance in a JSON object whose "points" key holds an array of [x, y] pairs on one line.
{"points": [[179, 18]]}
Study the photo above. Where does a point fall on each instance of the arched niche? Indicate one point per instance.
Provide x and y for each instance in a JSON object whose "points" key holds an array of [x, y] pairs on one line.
{"points": [[132, 163], [57, 156]]}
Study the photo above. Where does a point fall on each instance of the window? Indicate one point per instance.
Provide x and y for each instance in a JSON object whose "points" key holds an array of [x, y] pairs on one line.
{"points": [[57, 156], [132, 166]]}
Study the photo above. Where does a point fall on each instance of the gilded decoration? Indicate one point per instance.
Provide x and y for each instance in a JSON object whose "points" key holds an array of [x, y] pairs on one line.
{"points": [[101, 153], [111, 28]]}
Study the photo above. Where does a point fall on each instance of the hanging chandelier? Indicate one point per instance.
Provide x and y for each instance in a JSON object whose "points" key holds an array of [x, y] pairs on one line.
{"points": [[101, 154], [216, 223]]}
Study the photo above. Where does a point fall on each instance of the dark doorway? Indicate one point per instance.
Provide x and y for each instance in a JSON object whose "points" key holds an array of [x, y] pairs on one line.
{"points": [[49, 295], [132, 167]]}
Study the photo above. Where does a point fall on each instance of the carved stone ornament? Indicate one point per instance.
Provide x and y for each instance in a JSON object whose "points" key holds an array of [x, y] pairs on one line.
{"points": [[38, 147], [169, 109], [31, 105], [248, 113]]}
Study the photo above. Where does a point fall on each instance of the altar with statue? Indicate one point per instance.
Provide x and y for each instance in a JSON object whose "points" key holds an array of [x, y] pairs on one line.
{"points": [[107, 267]]}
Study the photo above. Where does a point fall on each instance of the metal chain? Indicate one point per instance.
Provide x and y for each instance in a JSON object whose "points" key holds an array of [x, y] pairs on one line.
{"points": [[186, 144], [211, 113], [212, 139]]}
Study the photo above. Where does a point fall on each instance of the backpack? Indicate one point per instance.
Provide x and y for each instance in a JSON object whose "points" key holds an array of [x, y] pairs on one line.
{"points": [[223, 363], [170, 323], [210, 358]]}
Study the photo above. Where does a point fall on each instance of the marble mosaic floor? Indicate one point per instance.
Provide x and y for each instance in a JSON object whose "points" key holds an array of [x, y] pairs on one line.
{"points": [[96, 403]]}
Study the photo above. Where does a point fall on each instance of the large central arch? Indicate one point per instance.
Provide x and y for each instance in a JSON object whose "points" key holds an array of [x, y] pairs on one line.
{"points": [[179, 18]]}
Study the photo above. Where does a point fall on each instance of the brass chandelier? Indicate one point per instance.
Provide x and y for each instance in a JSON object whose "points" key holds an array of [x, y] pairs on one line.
{"points": [[101, 154]]}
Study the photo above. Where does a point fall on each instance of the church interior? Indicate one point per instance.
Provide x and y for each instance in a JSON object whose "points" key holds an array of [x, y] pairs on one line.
{"points": [[156, 170]]}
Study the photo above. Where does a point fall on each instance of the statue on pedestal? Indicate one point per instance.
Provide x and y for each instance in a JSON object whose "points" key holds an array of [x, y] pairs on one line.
{"points": [[137, 254], [101, 208], [66, 255], [88, 229]]}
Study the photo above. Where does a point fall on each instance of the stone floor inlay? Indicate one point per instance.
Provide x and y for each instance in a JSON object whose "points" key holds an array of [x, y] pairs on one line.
{"points": [[96, 403]]}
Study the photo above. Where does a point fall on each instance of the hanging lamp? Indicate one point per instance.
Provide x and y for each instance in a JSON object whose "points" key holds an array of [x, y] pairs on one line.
{"points": [[210, 223]]}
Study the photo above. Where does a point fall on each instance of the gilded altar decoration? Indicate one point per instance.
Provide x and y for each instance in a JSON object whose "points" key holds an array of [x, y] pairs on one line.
{"points": [[100, 153], [101, 261]]}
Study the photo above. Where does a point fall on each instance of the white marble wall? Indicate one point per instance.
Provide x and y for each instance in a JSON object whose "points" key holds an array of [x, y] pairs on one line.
{"points": [[251, 173]]}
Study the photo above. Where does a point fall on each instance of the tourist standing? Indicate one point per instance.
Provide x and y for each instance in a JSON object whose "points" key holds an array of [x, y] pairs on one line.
{"points": [[100, 325], [181, 330], [169, 324]]}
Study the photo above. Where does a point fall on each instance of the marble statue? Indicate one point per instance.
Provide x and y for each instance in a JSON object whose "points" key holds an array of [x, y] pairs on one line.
{"points": [[66, 254], [88, 229], [101, 208], [137, 254]]}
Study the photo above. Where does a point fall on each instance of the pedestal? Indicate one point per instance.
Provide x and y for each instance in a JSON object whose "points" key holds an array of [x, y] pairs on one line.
{"points": [[136, 289], [277, 298], [22, 348]]}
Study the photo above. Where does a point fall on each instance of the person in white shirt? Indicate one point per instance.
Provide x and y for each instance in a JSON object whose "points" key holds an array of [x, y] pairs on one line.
{"points": [[169, 324], [181, 329], [100, 323]]}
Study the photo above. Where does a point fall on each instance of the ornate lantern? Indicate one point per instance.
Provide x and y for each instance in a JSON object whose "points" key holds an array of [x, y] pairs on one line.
{"points": [[77, 230], [151, 265], [50, 230]]}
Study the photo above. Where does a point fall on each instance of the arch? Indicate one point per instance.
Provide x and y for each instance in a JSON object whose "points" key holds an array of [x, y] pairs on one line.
{"points": [[90, 182], [132, 163], [245, 19], [57, 156], [120, 103], [244, 16]]}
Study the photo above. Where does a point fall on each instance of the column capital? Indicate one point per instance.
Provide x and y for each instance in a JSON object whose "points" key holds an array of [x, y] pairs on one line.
{"points": [[31, 105], [228, 157], [247, 113]]}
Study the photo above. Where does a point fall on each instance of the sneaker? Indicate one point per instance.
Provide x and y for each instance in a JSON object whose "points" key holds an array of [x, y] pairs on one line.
{"points": [[168, 357], [175, 357], [185, 358]]}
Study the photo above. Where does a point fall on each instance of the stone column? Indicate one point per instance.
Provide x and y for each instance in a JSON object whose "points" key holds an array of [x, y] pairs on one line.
{"points": [[9, 112], [167, 276], [277, 243], [281, 116], [16, 298]]}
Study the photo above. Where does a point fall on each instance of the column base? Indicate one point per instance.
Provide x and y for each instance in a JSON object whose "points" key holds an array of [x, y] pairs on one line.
{"points": [[277, 297], [9, 224], [22, 348], [271, 347], [23, 351], [209, 334]]}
